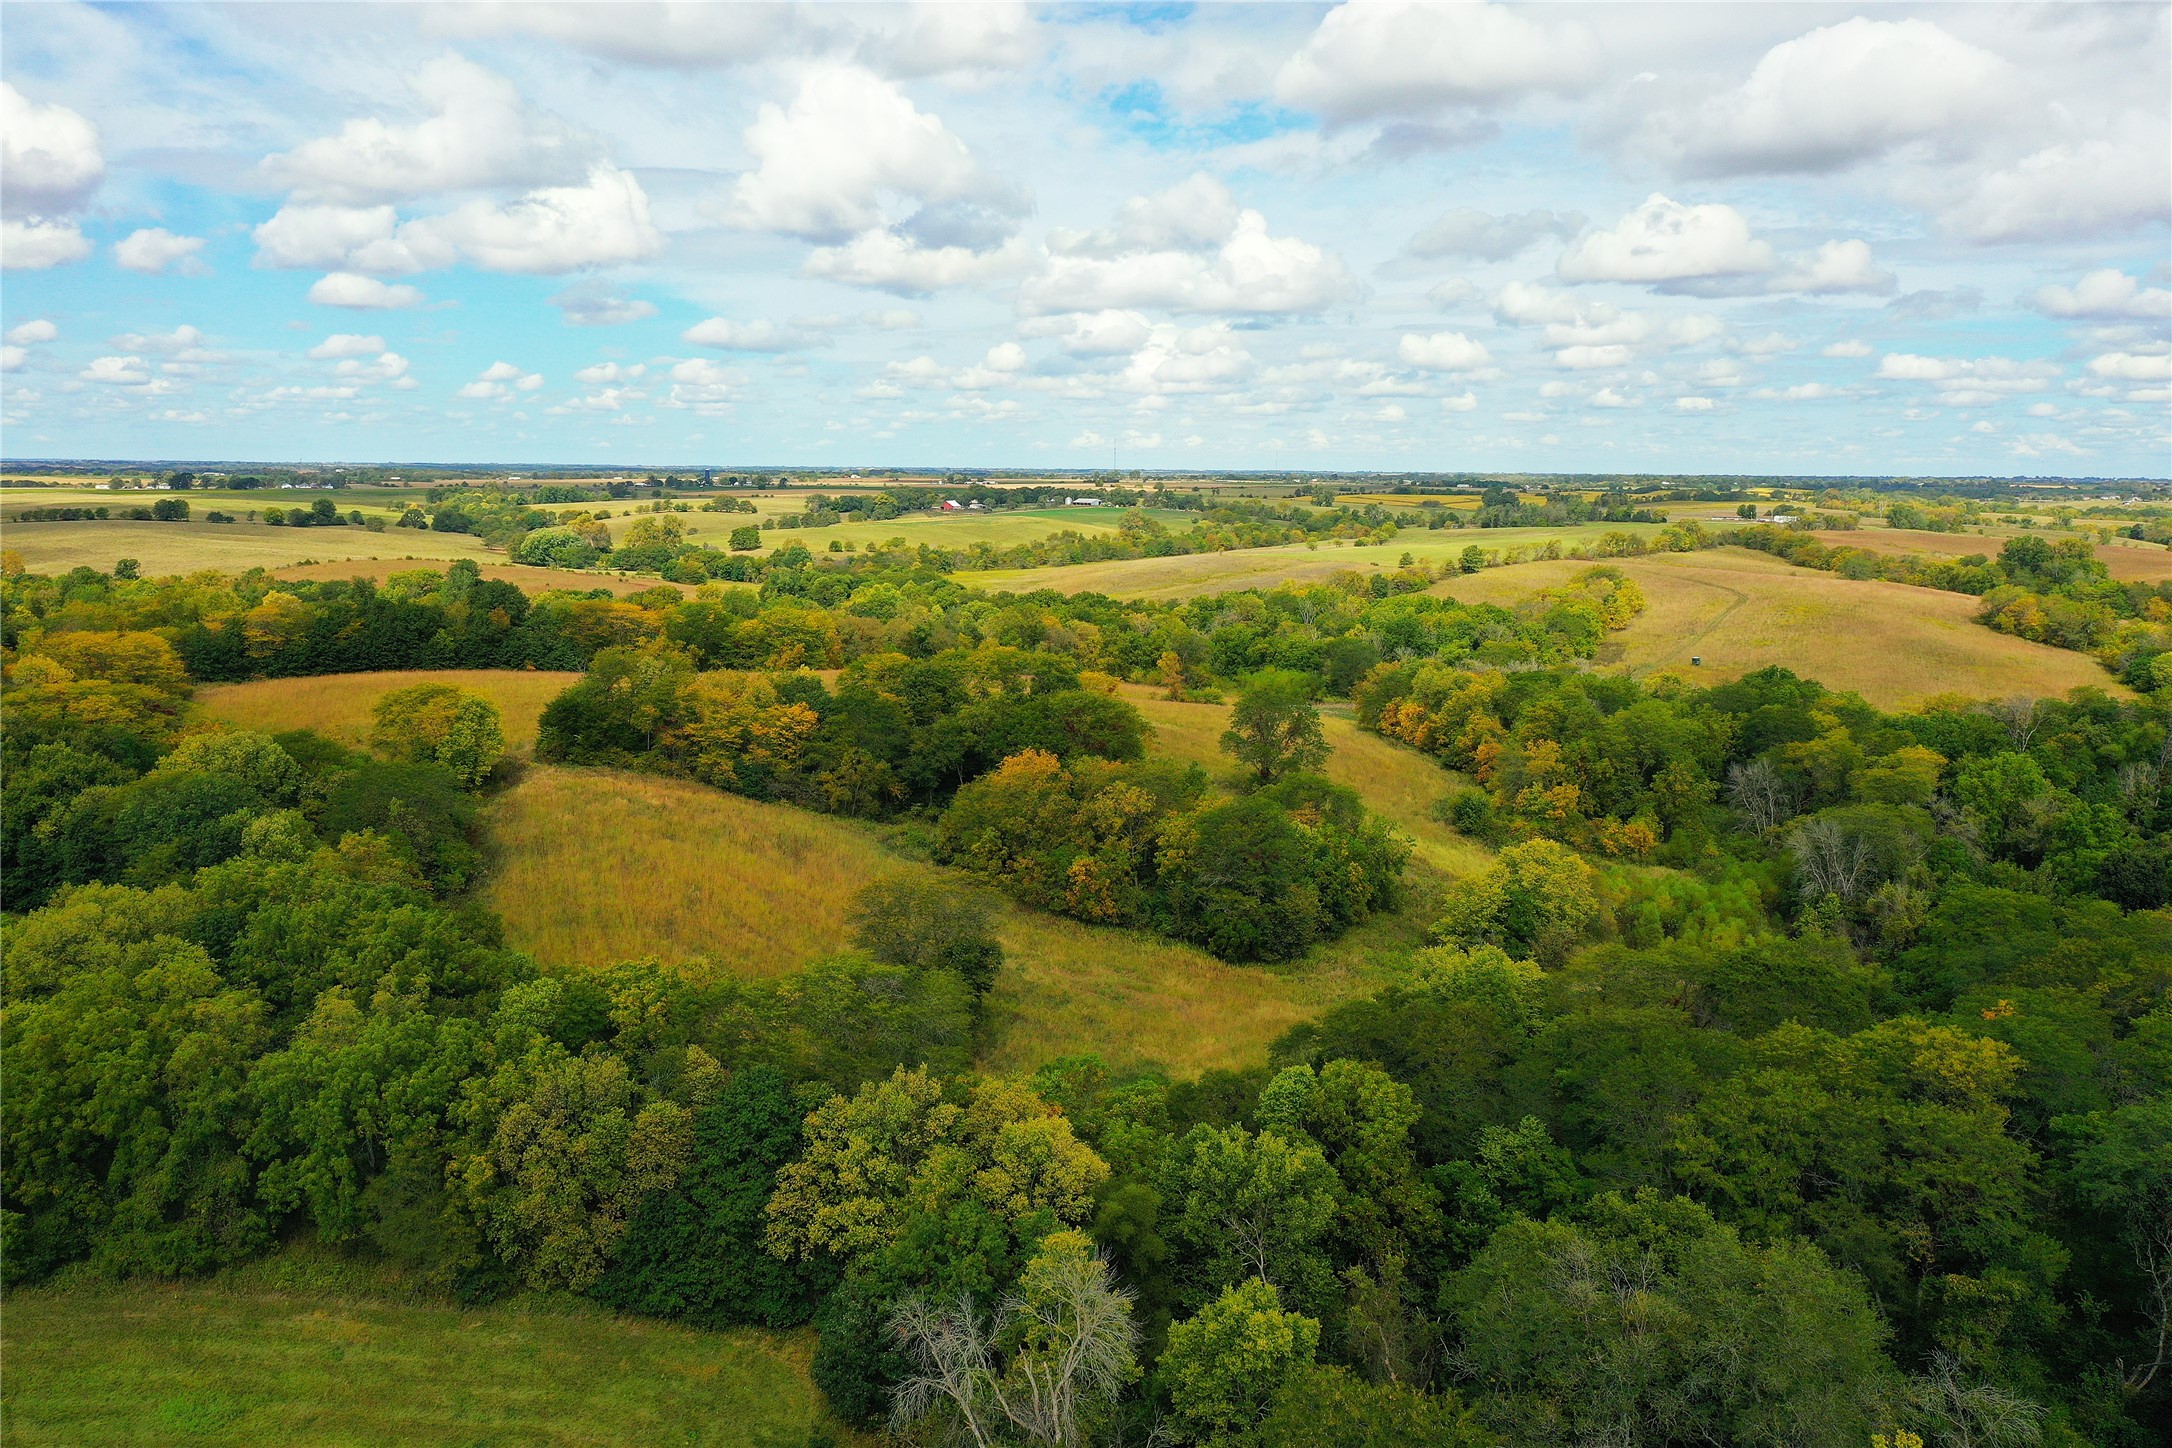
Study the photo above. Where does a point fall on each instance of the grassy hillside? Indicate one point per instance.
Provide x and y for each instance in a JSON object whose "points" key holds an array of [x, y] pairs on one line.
{"points": [[595, 866], [338, 705], [1198, 573], [249, 1359], [2126, 559], [1398, 782], [1741, 610]]}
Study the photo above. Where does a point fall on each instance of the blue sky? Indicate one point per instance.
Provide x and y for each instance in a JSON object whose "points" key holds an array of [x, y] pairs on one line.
{"points": [[1695, 238]]}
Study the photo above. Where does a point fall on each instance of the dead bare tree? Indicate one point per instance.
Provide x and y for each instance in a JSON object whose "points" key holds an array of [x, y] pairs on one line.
{"points": [[1832, 860], [1076, 1348], [2021, 716], [1760, 795]]}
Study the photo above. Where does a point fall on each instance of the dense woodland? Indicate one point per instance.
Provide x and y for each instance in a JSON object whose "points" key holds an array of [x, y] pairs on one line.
{"points": [[1796, 1074]]}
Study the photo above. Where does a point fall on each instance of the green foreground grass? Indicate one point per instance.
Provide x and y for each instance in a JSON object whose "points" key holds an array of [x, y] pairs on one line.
{"points": [[285, 1352]]}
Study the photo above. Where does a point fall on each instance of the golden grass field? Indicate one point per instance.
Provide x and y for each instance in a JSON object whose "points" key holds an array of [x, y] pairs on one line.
{"points": [[598, 866], [2126, 558], [165, 549], [252, 1359], [338, 705], [1198, 573], [1742, 610], [940, 530], [1397, 782], [594, 866]]}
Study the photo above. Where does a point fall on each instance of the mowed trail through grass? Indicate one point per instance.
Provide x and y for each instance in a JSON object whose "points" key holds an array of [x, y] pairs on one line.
{"points": [[243, 1362], [1742, 610], [338, 705]]}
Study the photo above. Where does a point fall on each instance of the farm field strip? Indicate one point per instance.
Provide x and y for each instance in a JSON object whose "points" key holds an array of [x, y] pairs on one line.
{"points": [[167, 549], [1197, 573]]}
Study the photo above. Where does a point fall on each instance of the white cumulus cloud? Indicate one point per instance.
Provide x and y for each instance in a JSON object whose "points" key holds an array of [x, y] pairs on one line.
{"points": [[346, 344], [345, 289], [480, 133], [1837, 96], [2107, 182], [117, 371], [1399, 58], [1245, 269], [760, 335], [844, 153], [2107, 294], [891, 262], [155, 251], [38, 243], [49, 154], [499, 382], [1443, 352], [1663, 241], [2131, 367]]}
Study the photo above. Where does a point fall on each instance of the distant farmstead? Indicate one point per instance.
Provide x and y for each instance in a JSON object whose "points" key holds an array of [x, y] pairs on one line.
{"points": [[1082, 502]]}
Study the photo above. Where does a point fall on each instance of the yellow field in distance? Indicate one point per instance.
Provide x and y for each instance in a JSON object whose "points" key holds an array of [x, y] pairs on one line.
{"points": [[1198, 573], [1740, 610], [163, 550]]}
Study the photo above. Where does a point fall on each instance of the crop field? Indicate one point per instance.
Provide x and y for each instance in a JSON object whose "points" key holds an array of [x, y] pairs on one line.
{"points": [[1741, 610], [943, 530], [1198, 573], [253, 1358], [338, 705], [165, 549]]}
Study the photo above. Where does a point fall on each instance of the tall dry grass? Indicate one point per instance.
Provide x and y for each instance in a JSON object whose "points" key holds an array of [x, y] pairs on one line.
{"points": [[1741, 610], [1199, 573], [1397, 782], [598, 866], [595, 866], [338, 705]]}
